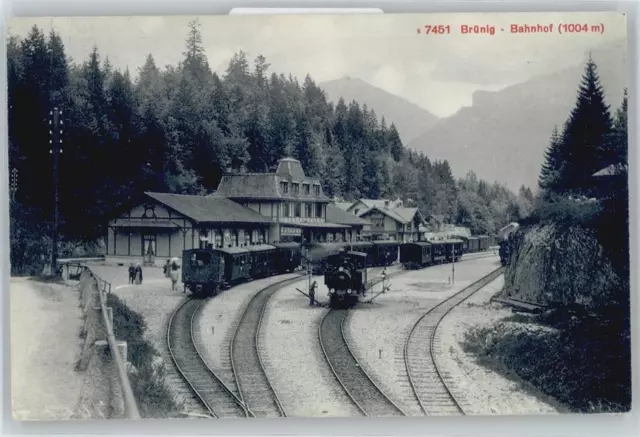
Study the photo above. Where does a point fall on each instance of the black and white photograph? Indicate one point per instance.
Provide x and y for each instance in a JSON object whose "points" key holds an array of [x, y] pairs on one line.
{"points": [[318, 216]]}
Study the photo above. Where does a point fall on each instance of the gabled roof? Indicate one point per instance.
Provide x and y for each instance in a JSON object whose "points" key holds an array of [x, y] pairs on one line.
{"points": [[209, 209], [402, 215], [338, 215], [370, 203], [344, 205], [407, 213]]}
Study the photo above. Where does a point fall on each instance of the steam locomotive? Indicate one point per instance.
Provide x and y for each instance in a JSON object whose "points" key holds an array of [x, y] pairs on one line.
{"points": [[207, 271], [345, 276]]}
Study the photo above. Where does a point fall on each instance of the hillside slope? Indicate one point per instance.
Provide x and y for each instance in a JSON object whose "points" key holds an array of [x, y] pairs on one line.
{"points": [[504, 134], [410, 119]]}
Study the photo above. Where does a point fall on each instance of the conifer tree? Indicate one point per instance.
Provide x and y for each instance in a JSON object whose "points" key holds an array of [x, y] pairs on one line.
{"points": [[553, 161], [584, 135]]}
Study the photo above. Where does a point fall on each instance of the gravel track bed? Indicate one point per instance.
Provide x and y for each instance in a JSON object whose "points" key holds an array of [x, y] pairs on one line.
{"points": [[217, 320], [293, 359], [486, 392], [378, 331], [156, 303]]}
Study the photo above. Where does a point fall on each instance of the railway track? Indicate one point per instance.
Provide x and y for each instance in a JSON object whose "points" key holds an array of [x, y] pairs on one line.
{"points": [[365, 394], [254, 387], [218, 398], [428, 382]]}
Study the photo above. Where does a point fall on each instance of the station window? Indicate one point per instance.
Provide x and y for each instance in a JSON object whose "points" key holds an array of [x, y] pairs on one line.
{"points": [[319, 210], [296, 188], [218, 237], [308, 209], [298, 209], [284, 187], [305, 189], [285, 209], [316, 189]]}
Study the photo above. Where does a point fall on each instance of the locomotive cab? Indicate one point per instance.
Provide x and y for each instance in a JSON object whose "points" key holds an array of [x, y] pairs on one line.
{"points": [[203, 270]]}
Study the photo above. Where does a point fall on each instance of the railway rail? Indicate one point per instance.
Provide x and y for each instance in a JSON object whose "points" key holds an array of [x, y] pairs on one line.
{"points": [[366, 395], [428, 382], [253, 384], [216, 396], [358, 385]]}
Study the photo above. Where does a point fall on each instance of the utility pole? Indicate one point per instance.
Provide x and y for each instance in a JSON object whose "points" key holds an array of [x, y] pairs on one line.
{"points": [[453, 263], [14, 183], [55, 132]]}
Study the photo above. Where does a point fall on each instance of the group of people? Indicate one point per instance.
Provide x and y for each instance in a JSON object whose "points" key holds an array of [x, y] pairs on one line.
{"points": [[170, 270], [135, 274]]}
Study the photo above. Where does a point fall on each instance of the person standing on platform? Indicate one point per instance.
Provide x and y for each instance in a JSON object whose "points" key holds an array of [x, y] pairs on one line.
{"points": [[138, 274], [312, 294], [132, 273], [174, 274]]}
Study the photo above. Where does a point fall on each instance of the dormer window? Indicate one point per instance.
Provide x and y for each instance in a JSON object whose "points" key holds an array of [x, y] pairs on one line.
{"points": [[305, 189], [316, 189], [284, 187], [296, 189]]}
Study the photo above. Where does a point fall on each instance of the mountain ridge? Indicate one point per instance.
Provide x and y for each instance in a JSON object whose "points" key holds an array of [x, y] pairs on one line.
{"points": [[410, 119]]}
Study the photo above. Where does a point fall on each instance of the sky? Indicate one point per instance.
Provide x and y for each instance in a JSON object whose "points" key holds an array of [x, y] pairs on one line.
{"points": [[437, 72]]}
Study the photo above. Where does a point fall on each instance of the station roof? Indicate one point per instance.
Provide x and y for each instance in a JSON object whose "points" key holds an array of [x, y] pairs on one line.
{"points": [[338, 215], [209, 209]]}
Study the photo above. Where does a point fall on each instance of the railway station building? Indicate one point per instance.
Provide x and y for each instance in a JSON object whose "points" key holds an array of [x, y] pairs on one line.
{"points": [[294, 202], [165, 224], [247, 208]]}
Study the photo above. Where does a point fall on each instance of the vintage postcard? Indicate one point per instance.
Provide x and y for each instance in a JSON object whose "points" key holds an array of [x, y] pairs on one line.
{"points": [[319, 215]]}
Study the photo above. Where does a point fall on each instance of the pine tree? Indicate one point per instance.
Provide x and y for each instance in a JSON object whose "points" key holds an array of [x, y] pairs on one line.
{"points": [[553, 161], [584, 135], [195, 61]]}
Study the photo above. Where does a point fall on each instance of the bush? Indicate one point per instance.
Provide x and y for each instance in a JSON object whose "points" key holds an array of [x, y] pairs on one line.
{"points": [[147, 381], [580, 358]]}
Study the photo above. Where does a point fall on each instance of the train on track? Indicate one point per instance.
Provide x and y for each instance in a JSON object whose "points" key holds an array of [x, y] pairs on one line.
{"points": [[207, 271], [346, 277]]}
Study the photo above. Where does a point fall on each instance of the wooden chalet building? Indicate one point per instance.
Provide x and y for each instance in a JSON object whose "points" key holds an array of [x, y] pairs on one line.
{"points": [[360, 228], [165, 224], [388, 223], [294, 203]]}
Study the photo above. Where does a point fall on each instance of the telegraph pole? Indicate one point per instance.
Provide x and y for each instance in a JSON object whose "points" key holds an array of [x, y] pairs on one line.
{"points": [[14, 183], [55, 132], [453, 263]]}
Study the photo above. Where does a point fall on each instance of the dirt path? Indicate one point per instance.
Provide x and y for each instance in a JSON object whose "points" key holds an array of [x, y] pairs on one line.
{"points": [[45, 345]]}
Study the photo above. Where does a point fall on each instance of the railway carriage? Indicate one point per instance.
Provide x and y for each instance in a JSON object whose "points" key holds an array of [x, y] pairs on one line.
{"points": [[454, 248], [365, 247], [385, 252], [288, 257], [416, 255], [439, 252], [263, 260], [473, 245], [238, 264], [345, 277]]}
